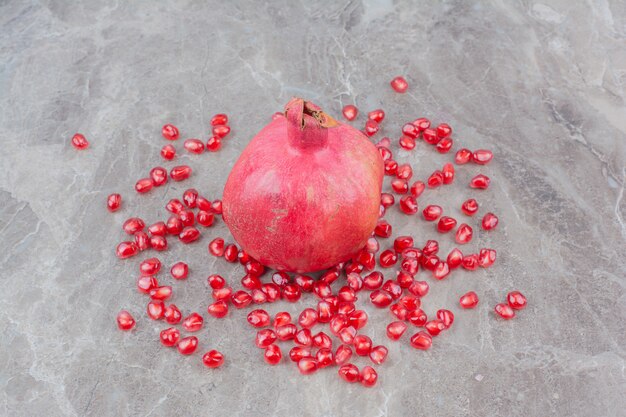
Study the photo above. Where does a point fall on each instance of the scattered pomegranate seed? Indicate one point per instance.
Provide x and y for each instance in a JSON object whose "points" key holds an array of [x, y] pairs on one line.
{"points": [[469, 300], [114, 201], [169, 337], [463, 156], [188, 345], [273, 355], [421, 340], [150, 266], [378, 354], [443, 130], [218, 309], [380, 298], [486, 257], [221, 131], [469, 207], [343, 354], [214, 144], [383, 229], [396, 329], [448, 173], [400, 186], [125, 320], [516, 300], [446, 224], [324, 358], [79, 141], [265, 338], [156, 309], [505, 311], [417, 317], [143, 185], [407, 142], [181, 172], [435, 179], [349, 373], [161, 293], [490, 221], [368, 377], [281, 318], [373, 281], [158, 175], [179, 270], [482, 157], [377, 115], [444, 145], [307, 365], [298, 352], [219, 119], [303, 337], [455, 258], [170, 132], [172, 314], [419, 288], [480, 181], [194, 146], [422, 124], [142, 240], [470, 262], [385, 153], [259, 318], [417, 188], [464, 234], [168, 152], [391, 167], [441, 270], [216, 247], [193, 322], [358, 319], [410, 130], [430, 136], [189, 234], [145, 284], [408, 205], [350, 112], [126, 250], [399, 84], [371, 127], [133, 225], [388, 258], [213, 359], [434, 327]]}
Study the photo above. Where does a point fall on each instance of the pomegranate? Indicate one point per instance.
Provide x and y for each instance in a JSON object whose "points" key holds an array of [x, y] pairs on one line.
{"points": [[305, 193]]}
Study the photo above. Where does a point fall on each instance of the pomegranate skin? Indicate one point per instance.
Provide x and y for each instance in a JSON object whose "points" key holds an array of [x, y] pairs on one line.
{"points": [[305, 193]]}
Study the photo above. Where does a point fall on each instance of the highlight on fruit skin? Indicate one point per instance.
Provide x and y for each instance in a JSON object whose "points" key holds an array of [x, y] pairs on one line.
{"points": [[305, 193]]}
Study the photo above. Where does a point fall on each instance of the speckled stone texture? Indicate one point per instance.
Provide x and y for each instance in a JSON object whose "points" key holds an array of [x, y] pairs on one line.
{"points": [[541, 84]]}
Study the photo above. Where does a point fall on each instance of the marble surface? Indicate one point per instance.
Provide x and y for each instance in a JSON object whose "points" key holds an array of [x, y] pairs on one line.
{"points": [[539, 83]]}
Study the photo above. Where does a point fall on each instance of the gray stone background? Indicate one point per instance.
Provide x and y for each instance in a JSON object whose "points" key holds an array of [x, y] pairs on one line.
{"points": [[541, 84]]}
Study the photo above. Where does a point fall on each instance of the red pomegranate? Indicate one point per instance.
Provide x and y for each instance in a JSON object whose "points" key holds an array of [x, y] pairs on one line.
{"points": [[305, 193]]}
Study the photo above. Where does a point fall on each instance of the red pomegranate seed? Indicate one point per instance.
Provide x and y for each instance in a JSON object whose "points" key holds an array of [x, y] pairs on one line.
{"points": [[446, 224], [377, 115], [241, 299], [305, 282], [482, 157], [373, 281], [486, 257], [280, 278], [259, 318], [385, 153], [255, 268], [133, 225], [265, 338], [435, 179], [172, 314], [455, 258], [354, 281], [272, 292], [419, 288], [214, 144], [168, 152], [349, 373], [480, 181], [203, 204], [490, 221], [410, 302], [399, 84], [358, 319], [463, 156], [383, 229], [161, 293], [399, 311], [402, 242], [298, 352], [380, 298], [142, 240], [430, 136], [307, 365], [181, 172], [429, 262], [179, 270], [79, 141], [464, 234], [189, 234], [391, 167], [221, 131], [410, 266], [400, 186], [404, 279], [387, 200], [338, 323], [396, 329], [281, 319], [250, 282], [230, 253], [174, 206], [188, 345], [505, 311], [417, 188], [446, 317], [368, 376], [150, 266], [470, 262], [324, 358], [157, 229], [322, 289], [219, 119], [170, 132], [343, 354], [169, 337], [378, 354], [443, 130], [417, 317], [408, 205], [213, 359], [156, 309], [126, 250], [388, 258], [371, 127], [469, 207], [216, 206], [222, 293], [422, 124], [410, 130], [143, 185], [421, 340], [406, 142], [303, 337], [346, 294], [441, 270], [322, 340], [516, 300], [469, 300], [193, 322], [194, 146], [158, 175], [114, 201], [307, 318], [350, 112], [158, 243], [412, 253], [216, 247], [331, 275], [125, 320], [448, 173], [404, 171], [145, 284], [292, 293], [444, 145], [218, 309], [216, 281], [205, 218]]}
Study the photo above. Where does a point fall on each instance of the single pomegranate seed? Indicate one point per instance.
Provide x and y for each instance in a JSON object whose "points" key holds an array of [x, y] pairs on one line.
{"points": [[410, 302], [286, 332], [303, 337], [404, 171], [407, 142], [417, 188], [189, 234], [265, 338], [371, 127], [346, 335], [404, 279], [378, 354], [343, 354], [443, 130], [446, 317], [298, 352], [422, 124], [150, 266], [174, 225], [216, 247], [446, 224], [169, 337], [354, 280], [408, 205], [181, 172], [469, 300], [417, 317], [387, 199], [402, 242], [218, 309], [213, 359], [324, 358], [322, 289], [448, 173], [190, 197], [421, 340], [337, 323], [486, 257], [373, 281], [396, 329], [174, 206], [161, 293], [142, 240], [516, 300], [400, 186], [230, 253], [385, 153], [391, 167], [143, 185], [368, 377], [434, 327], [469, 207], [308, 365], [125, 320], [330, 276], [255, 268], [170, 132], [126, 250], [322, 340], [133, 225], [292, 293], [193, 322], [272, 291], [216, 206], [357, 319], [79, 141], [205, 218], [179, 270], [377, 115], [444, 145], [463, 156], [188, 345], [168, 152], [172, 314], [441, 270], [156, 309], [324, 311], [435, 179], [430, 136], [203, 204], [383, 229], [490, 221], [399, 84], [223, 293], [470, 262], [388, 258], [455, 258], [419, 288], [305, 282], [505, 311], [194, 146], [429, 262], [282, 318], [346, 294], [259, 318], [221, 131], [464, 234], [219, 119], [241, 299], [410, 266], [482, 157], [145, 284], [350, 112], [214, 144], [349, 373], [410, 130], [114, 201], [280, 278], [251, 282], [480, 181], [158, 175], [157, 229], [380, 298]]}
